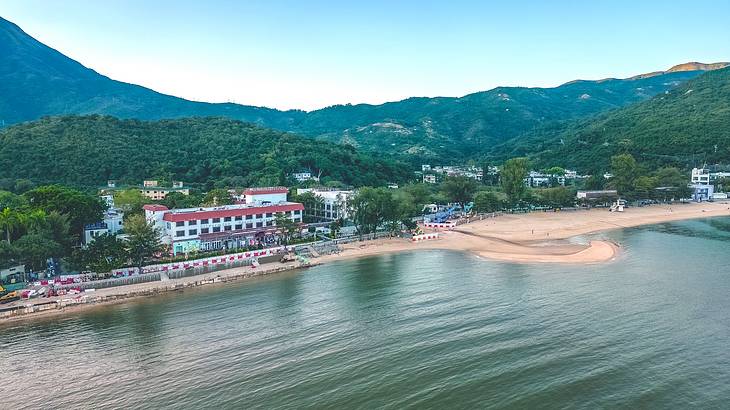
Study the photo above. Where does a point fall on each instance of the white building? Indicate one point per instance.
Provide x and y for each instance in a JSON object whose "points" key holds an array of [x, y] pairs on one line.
{"points": [[333, 206], [700, 176], [222, 227], [429, 178], [112, 224], [303, 176], [268, 195]]}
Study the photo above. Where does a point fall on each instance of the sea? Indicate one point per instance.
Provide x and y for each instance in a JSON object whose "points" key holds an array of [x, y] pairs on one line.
{"points": [[422, 330]]}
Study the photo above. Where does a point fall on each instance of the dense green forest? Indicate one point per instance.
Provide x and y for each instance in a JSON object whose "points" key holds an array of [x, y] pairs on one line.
{"points": [[86, 151], [37, 81], [686, 126]]}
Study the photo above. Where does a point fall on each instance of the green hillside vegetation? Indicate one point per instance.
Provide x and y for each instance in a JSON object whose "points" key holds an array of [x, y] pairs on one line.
{"points": [[686, 126], [37, 81], [87, 151]]}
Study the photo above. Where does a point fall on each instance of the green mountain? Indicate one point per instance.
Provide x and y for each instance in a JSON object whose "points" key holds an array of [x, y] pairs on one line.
{"points": [[87, 151], [36, 81], [685, 126]]}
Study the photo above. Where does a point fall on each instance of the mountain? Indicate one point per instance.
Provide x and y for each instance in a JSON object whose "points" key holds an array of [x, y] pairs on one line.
{"points": [[686, 126], [86, 151], [36, 81], [456, 128]]}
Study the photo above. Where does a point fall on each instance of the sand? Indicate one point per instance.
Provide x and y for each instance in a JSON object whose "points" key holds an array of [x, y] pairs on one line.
{"points": [[541, 237], [538, 237]]}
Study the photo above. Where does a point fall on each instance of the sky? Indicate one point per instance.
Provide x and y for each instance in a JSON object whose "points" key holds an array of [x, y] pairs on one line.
{"points": [[315, 53]]}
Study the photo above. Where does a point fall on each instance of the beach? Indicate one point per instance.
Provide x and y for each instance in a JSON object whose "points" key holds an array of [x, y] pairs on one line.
{"points": [[541, 237], [537, 237]]}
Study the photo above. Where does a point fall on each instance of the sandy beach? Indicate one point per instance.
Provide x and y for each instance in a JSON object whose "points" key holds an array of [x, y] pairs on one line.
{"points": [[538, 237], [541, 237]]}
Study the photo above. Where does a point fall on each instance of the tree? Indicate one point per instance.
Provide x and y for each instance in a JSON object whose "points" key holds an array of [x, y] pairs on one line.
{"points": [[513, 177], [644, 187], [625, 171], [81, 208], [557, 197], [369, 207], [178, 200], [459, 189], [105, 253], [486, 201], [130, 201], [217, 197], [595, 182], [8, 255], [10, 220], [313, 205], [555, 171], [144, 240], [34, 250], [285, 225]]}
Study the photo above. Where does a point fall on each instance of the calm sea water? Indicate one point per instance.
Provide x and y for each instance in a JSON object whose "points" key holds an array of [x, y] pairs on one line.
{"points": [[427, 329]]}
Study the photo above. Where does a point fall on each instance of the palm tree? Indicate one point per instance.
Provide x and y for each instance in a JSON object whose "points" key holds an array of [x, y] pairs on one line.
{"points": [[9, 220], [34, 221]]}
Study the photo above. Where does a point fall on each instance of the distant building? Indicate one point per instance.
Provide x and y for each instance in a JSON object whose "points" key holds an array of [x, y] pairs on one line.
{"points": [[608, 195], [333, 206], [429, 178], [702, 192], [304, 175], [700, 176], [393, 186], [112, 224], [425, 167], [152, 190], [537, 179]]}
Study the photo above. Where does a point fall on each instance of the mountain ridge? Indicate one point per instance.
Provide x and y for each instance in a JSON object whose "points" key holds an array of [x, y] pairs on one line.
{"points": [[38, 81]]}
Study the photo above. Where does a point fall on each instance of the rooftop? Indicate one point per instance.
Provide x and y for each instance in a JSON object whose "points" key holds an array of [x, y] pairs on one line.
{"points": [[266, 190], [190, 214]]}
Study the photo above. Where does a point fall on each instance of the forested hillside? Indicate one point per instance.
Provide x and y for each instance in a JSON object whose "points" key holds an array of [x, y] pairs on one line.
{"points": [[89, 150], [685, 126], [36, 81]]}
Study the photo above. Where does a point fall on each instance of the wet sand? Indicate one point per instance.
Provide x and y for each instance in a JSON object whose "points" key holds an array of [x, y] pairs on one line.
{"points": [[541, 237]]}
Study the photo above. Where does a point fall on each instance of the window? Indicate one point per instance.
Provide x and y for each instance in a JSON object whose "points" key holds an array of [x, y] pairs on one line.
{"points": [[227, 228], [238, 218], [178, 234], [249, 217], [216, 229], [249, 225], [259, 216], [193, 232], [204, 230], [216, 220], [297, 212], [204, 221], [169, 226], [269, 215], [180, 223], [259, 224], [227, 219], [269, 223], [194, 222], [239, 226]]}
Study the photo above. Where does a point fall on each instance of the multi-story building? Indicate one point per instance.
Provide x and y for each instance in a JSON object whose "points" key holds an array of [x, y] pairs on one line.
{"points": [[333, 205], [152, 190], [112, 224], [224, 227], [304, 175]]}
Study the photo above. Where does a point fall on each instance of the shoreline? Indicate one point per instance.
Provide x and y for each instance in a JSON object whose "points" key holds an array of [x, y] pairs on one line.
{"points": [[538, 237]]}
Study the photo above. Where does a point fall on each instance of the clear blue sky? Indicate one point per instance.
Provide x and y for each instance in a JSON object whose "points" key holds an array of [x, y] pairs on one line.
{"points": [[310, 54]]}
